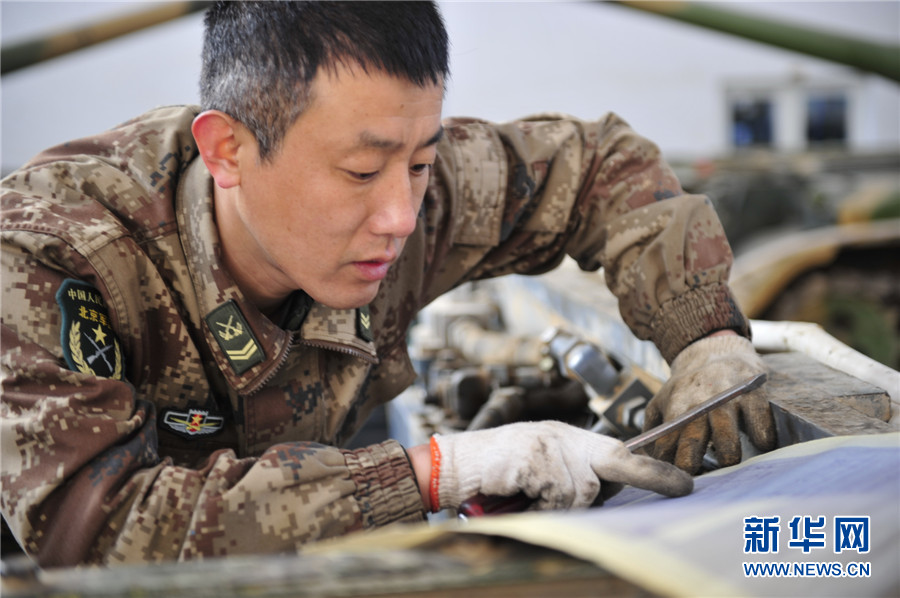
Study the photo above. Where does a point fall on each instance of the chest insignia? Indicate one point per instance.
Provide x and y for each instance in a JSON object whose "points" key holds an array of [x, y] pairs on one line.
{"points": [[235, 337], [194, 422], [89, 344]]}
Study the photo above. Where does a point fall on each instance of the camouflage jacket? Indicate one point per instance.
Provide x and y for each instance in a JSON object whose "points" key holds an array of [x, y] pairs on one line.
{"points": [[151, 413]]}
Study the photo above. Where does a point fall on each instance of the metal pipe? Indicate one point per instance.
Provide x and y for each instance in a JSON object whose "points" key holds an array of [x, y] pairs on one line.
{"points": [[23, 54], [882, 59], [479, 345]]}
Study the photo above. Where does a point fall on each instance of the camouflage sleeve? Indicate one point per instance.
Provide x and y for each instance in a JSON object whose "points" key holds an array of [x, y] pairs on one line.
{"points": [[83, 482], [526, 193]]}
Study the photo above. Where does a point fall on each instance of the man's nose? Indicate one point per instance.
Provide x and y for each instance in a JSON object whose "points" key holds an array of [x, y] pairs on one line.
{"points": [[396, 208]]}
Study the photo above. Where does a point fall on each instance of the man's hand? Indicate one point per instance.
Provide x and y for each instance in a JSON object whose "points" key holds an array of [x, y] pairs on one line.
{"points": [[557, 465], [701, 370]]}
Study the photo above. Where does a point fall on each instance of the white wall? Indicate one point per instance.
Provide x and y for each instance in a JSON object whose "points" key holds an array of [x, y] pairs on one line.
{"points": [[95, 88], [666, 78], [508, 59]]}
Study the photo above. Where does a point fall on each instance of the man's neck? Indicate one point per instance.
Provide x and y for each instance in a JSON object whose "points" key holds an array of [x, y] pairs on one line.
{"points": [[243, 257]]}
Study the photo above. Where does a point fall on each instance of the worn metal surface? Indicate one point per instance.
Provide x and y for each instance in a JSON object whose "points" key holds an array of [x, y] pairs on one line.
{"points": [[810, 400]]}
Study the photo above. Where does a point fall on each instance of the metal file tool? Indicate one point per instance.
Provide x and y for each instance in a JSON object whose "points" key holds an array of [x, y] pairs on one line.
{"points": [[481, 505]]}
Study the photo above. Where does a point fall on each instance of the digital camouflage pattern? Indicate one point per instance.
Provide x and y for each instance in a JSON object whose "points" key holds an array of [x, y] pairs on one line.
{"points": [[220, 436]]}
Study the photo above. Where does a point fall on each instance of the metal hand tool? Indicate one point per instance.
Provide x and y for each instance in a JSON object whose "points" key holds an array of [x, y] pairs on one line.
{"points": [[480, 504]]}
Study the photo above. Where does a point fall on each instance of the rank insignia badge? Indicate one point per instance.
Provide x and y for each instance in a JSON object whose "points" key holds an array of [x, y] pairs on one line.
{"points": [[89, 344], [364, 323], [231, 331], [194, 422]]}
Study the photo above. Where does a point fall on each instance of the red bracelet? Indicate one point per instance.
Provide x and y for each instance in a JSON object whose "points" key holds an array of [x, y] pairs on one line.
{"points": [[435, 481]]}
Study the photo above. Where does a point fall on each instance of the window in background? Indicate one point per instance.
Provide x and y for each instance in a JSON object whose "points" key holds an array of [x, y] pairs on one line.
{"points": [[826, 119], [752, 123]]}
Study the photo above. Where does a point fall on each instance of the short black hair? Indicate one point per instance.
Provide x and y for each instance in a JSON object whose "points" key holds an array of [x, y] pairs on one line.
{"points": [[260, 58]]}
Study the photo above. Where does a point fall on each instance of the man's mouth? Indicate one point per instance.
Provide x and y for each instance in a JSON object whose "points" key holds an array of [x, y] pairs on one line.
{"points": [[372, 270]]}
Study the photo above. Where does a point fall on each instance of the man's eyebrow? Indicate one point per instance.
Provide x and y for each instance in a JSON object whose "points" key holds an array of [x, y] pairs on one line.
{"points": [[369, 139], [435, 138]]}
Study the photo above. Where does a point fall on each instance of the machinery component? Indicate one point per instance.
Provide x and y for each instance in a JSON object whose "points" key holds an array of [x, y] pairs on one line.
{"points": [[580, 360], [505, 405], [624, 417], [482, 376], [462, 392], [481, 345], [465, 392], [618, 396], [565, 400]]}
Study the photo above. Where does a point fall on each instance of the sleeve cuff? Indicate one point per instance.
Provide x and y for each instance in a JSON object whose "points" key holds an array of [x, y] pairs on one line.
{"points": [[386, 488], [695, 314]]}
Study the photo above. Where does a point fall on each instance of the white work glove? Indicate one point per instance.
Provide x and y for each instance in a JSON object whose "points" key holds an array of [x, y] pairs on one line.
{"points": [[701, 370], [558, 465]]}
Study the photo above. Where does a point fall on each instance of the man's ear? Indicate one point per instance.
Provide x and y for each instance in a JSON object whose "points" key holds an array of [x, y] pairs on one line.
{"points": [[218, 140]]}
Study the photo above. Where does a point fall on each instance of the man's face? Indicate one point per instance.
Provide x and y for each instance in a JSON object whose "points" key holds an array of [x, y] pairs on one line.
{"points": [[332, 211]]}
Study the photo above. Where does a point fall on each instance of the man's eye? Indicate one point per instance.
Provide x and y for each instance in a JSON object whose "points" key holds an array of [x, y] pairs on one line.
{"points": [[363, 176], [421, 168]]}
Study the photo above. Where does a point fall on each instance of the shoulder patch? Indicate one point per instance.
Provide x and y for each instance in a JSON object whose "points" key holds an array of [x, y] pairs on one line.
{"points": [[89, 344], [235, 337]]}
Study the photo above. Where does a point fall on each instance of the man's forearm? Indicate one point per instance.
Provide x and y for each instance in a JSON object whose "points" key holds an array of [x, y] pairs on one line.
{"points": [[420, 459]]}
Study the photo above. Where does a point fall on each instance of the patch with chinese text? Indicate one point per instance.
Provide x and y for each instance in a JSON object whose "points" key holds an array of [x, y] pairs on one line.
{"points": [[89, 344]]}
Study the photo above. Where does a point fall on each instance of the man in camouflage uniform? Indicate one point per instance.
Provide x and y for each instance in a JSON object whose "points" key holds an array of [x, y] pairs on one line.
{"points": [[201, 306]]}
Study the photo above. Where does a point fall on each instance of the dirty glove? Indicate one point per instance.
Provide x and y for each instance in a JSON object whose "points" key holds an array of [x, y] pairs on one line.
{"points": [[700, 371], [558, 465]]}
